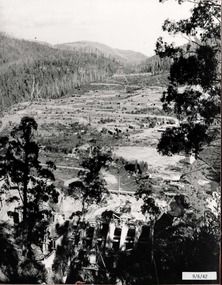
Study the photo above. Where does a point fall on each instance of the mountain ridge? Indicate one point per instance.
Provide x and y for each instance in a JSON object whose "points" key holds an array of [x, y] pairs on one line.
{"points": [[124, 56], [37, 48], [30, 70], [33, 69]]}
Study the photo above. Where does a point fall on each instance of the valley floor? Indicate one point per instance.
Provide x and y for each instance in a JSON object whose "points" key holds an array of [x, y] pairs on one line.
{"points": [[131, 125]]}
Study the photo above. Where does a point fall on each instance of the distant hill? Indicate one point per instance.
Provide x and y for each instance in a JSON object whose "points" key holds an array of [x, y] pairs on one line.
{"points": [[14, 50], [124, 56], [29, 70]]}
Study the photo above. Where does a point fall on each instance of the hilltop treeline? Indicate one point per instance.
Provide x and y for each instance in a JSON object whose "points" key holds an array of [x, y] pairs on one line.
{"points": [[155, 65], [14, 50], [31, 70]]}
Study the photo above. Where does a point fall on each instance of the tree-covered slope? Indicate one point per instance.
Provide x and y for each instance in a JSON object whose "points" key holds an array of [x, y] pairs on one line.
{"points": [[155, 65], [123, 56], [30, 70], [14, 50]]}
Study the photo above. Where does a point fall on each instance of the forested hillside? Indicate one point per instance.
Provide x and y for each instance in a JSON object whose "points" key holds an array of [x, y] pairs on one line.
{"points": [[31, 70], [123, 56], [155, 65], [13, 50]]}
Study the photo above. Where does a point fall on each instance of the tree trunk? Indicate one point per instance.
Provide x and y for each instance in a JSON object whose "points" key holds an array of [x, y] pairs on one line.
{"points": [[25, 186], [153, 262], [25, 230]]}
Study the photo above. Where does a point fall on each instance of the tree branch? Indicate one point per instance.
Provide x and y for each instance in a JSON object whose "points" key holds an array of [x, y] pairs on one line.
{"points": [[199, 168], [190, 40], [193, 2], [20, 196], [200, 158]]}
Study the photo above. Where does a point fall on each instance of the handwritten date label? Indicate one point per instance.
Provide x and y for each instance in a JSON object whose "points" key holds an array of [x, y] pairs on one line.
{"points": [[212, 275]]}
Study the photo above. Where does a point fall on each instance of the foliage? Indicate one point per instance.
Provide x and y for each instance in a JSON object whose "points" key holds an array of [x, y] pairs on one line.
{"points": [[148, 110], [9, 258], [145, 190], [92, 186], [135, 267], [31, 271], [64, 252], [13, 267], [193, 93], [183, 248], [155, 65], [20, 167], [188, 138], [187, 236], [63, 139]]}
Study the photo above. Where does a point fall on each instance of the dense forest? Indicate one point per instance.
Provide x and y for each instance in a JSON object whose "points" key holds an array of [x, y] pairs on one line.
{"points": [[32, 70], [154, 65]]}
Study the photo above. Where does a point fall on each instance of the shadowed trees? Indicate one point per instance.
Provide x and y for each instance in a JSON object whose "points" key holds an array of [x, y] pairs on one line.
{"points": [[33, 193], [91, 187], [193, 93]]}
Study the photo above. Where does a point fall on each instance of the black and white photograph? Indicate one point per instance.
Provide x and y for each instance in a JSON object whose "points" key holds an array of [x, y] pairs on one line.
{"points": [[110, 142]]}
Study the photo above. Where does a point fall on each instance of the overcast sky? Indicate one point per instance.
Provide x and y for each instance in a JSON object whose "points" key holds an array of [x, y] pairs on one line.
{"points": [[124, 24]]}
